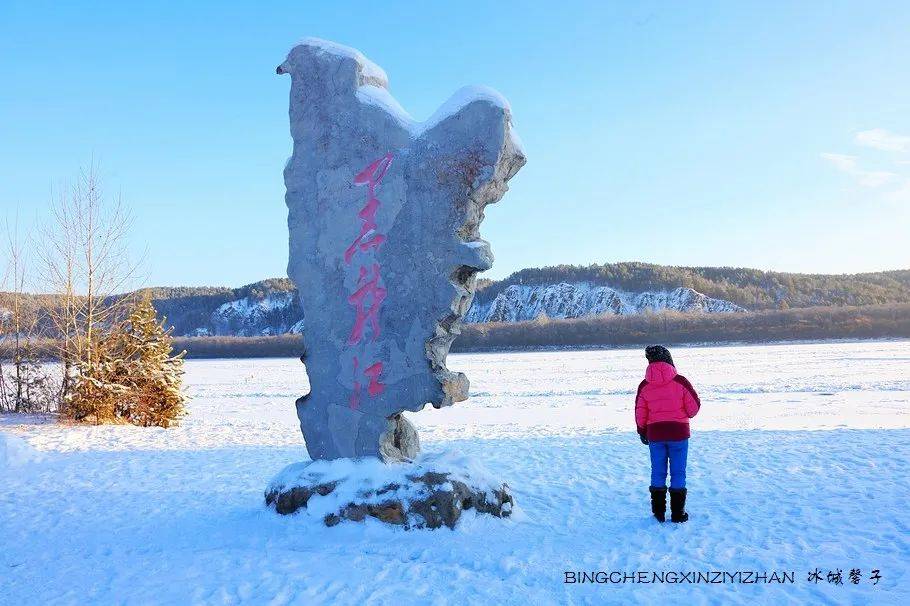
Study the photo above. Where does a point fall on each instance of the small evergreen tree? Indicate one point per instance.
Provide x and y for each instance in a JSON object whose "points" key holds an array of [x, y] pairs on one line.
{"points": [[147, 369], [131, 375]]}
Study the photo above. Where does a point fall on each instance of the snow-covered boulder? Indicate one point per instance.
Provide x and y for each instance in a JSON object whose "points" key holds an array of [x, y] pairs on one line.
{"points": [[429, 493]]}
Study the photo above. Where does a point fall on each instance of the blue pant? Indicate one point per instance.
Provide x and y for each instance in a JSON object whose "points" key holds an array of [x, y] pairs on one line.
{"points": [[675, 453]]}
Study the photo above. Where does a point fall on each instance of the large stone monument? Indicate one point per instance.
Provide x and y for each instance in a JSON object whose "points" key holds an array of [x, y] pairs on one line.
{"points": [[383, 217]]}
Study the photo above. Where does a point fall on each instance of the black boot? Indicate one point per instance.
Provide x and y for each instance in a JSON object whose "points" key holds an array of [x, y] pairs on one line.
{"points": [[678, 505], [659, 502]]}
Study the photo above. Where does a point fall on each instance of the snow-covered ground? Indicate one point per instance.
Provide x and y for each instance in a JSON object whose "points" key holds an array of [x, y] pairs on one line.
{"points": [[800, 460]]}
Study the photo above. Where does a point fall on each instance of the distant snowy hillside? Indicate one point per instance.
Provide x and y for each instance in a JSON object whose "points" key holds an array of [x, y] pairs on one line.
{"points": [[521, 302], [276, 311], [274, 314], [270, 307], [566, 291]]}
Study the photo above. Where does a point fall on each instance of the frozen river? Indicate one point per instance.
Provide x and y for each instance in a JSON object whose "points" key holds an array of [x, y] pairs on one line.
{"points": [[805, 386], [800, 459]]}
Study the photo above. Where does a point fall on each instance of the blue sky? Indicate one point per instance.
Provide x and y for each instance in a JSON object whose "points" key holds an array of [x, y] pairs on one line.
{"points": [[760, 134]]}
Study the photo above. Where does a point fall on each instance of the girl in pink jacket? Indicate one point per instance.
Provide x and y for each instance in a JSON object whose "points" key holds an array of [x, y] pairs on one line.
{"points": [[663, 406]]}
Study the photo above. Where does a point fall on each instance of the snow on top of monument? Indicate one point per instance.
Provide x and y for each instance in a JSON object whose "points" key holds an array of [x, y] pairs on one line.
{"points": [[381, 97], [465, 96], [370, 69]]}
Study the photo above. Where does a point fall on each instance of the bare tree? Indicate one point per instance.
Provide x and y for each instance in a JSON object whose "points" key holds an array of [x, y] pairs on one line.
{"points": [[17, 274], [25, 386], [86, 265]]}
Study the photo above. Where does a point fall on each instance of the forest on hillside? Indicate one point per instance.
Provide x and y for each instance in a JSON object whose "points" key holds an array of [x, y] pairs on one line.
{"points": [[753, 289]]}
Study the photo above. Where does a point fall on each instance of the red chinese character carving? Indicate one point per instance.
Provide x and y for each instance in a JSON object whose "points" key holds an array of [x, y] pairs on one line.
{"points": [[368, 279], [372, 289], [371, 176]]}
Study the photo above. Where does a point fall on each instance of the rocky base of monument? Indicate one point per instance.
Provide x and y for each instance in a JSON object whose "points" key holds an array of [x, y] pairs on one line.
{"points": [[430, 492]]}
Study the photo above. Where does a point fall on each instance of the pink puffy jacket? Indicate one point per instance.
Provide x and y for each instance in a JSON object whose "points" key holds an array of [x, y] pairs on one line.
{"points": [[664, 404]]}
